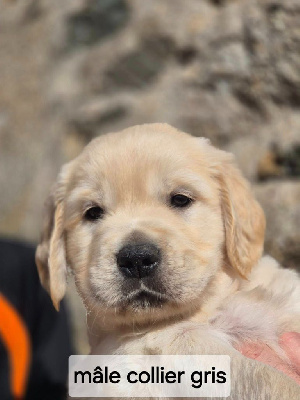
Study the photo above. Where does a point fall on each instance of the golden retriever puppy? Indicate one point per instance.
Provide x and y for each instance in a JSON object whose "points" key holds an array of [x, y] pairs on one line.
{"points": [[165, 240]]}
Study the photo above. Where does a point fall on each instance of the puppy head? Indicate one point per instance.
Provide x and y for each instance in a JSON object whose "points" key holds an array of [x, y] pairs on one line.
{"points": [[145, 219]]}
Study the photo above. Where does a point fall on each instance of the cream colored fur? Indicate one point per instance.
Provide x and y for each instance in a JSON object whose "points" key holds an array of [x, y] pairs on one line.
{"points": [[218, 291]]}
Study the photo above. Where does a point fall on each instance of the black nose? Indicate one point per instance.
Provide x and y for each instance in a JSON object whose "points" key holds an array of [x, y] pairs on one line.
{"points": [[138, 260]]}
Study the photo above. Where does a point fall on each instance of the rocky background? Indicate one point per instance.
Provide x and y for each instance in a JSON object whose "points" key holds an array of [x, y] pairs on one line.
{"points": [[225, 69]]}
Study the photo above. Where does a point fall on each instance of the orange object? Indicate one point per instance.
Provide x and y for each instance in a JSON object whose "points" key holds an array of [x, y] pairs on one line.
{"points": [[16, 338]]}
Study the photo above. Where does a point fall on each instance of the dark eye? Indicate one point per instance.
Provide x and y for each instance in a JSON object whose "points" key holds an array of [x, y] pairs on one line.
{"points": [[180, 200], [94, 213]]}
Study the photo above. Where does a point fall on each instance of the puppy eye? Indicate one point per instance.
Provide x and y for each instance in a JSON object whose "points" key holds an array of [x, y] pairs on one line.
{"points": [[94, 213], [180, 201]]}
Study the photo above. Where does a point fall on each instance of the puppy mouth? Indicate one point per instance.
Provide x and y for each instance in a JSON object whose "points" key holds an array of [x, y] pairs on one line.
{"points": [[145, 298]]}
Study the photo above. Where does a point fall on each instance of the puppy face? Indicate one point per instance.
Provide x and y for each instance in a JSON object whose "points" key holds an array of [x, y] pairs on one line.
{"points": [[145, 218]]}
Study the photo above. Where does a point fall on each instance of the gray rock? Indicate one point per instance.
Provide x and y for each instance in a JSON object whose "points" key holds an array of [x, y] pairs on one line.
{"points": [[138, 68], [96, 20], [280, 201]]}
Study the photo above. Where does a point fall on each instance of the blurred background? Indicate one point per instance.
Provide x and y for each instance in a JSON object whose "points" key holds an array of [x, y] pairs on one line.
{"points": [[228, 70]]}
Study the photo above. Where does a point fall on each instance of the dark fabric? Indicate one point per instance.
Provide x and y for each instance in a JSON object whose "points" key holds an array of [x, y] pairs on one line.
{"points": [[4, 373], [48, 329]]}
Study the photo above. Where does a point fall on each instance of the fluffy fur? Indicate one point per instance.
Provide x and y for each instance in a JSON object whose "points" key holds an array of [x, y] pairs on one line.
{"points": [[216, 290]]}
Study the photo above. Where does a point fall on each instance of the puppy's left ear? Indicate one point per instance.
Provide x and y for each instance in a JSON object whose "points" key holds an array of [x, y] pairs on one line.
{"points": [[50, 253], [244, 219]]}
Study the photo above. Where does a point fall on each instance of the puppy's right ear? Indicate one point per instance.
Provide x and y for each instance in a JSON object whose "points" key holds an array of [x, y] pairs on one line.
{"points": [[50, 254]]}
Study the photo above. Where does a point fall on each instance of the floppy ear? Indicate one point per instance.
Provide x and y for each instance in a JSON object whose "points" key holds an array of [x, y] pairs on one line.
{"points": [[244, 219], [50, 253]]}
